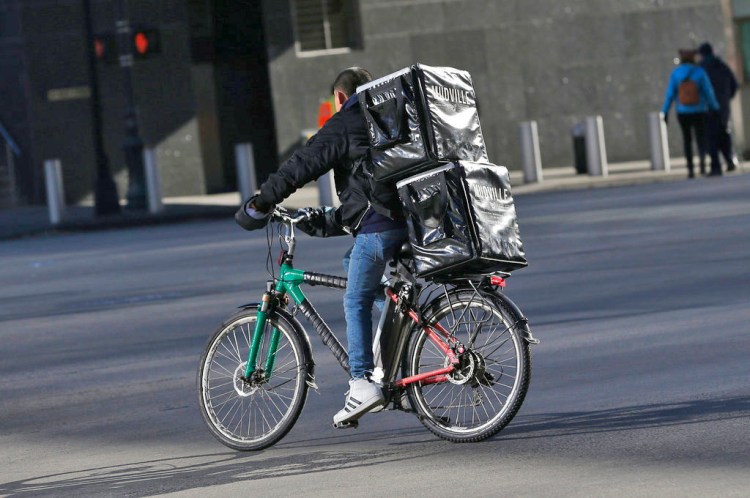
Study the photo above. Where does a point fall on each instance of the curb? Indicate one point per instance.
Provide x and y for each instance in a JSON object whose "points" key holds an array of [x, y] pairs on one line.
{"points": [[223, 206]]}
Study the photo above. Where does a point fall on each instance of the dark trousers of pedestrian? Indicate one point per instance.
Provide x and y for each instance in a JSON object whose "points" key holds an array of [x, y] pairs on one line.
{"points": [[719, 140], [693, 124]]}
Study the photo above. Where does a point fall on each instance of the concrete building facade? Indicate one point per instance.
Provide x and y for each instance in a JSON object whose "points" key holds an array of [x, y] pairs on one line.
{"points": [[256, 71], [551, 61]]}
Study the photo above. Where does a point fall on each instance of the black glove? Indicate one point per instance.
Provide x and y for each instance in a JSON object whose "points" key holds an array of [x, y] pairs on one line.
{"points": [[321, 222], [249, 218], [260, 205], [666, 119]]}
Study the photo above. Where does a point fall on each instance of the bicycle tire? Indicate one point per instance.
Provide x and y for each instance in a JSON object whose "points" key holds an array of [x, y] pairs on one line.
{"points": [[443, 407], [234, 410]]}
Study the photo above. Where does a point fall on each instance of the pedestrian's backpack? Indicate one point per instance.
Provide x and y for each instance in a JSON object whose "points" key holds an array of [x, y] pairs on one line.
{"points": [[688, 91]]}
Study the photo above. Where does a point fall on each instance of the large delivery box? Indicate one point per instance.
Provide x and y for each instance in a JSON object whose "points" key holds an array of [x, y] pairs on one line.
{"points": [[419, 117], [462, 221]]}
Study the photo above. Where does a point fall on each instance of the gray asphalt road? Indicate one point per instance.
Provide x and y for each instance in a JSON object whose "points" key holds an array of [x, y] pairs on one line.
{"points": [[641, 386]]}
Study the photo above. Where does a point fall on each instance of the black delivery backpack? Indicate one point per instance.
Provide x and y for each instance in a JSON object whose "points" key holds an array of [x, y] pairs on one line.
{"points": [[462, 221], [419, 117]]}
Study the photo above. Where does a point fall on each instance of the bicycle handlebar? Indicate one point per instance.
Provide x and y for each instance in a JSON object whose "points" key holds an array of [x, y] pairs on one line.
{"points": [[284, 215]]}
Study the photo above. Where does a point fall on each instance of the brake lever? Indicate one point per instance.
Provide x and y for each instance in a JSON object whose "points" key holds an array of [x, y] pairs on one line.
{"points": [[284, 215]]}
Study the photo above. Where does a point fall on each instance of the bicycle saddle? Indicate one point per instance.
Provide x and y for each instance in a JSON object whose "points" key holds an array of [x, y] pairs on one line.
{"points": [[405, 256], [405, 251]]}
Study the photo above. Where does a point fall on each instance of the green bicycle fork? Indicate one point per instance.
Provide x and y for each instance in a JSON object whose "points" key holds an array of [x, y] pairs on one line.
{"points": [[288, 282]]}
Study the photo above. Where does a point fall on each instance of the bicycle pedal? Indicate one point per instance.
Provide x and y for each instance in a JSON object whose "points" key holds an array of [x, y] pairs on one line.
{"points": [[349, 424], [378, 408]]}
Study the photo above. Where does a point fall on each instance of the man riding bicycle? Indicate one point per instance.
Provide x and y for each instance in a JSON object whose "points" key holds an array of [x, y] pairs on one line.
{"points": [[369, 211]]}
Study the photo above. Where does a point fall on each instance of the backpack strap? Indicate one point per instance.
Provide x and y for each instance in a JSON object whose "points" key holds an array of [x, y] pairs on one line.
{"points": [[359, 169], [388, 213]]}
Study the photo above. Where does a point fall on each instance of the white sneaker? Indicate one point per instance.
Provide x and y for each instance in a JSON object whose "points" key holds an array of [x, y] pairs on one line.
{"points": [[362, 396]]}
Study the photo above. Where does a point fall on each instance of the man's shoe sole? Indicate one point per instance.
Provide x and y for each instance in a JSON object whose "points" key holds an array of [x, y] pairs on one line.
{"points": [[361, 410]]}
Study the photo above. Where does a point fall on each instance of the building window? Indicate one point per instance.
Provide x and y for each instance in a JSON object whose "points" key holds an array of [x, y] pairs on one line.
{"points": [[324, 26]]}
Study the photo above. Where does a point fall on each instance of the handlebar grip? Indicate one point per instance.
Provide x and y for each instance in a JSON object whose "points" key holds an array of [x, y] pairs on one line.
{"points": [[312, 278]]}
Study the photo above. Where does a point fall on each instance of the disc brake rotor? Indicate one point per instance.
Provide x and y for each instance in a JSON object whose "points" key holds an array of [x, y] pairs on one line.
{"points": [[242, 387], [464, 371]]}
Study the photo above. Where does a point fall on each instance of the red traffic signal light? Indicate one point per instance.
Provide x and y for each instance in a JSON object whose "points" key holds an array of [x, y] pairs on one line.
{"points": [[105, 48], [146, 43], [99, 48]]}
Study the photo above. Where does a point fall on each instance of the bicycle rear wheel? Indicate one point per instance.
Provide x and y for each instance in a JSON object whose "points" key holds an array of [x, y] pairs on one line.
{"points": [[486, 390], [253, 415]]}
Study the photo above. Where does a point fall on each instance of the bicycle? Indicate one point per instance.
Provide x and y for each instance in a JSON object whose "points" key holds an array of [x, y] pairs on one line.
{"points": [[455, 353]]}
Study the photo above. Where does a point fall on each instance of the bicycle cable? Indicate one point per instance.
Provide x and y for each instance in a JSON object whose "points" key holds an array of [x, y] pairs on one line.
{"points": [[269, 257]]}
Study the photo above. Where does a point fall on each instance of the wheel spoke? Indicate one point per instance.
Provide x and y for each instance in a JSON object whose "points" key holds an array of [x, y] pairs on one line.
{"points": [[229, 372], [223, 355], [235, 344], [498, 347], [252, 415], [478, 397]]}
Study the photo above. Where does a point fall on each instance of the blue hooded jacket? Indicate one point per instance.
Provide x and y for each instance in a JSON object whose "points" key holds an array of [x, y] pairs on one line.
{"points": [[706, 91]]}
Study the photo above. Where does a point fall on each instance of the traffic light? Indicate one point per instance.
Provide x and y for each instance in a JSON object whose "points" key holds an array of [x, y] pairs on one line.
{"points": [[146, 43], [105, 48]]}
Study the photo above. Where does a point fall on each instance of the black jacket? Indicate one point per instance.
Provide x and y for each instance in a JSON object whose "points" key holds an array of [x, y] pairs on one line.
{"points": [[722, 79], [342, 145]]}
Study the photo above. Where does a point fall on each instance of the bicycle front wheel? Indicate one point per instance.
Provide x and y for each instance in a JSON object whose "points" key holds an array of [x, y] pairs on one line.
{"points": [[253, 415], [487, 388]]}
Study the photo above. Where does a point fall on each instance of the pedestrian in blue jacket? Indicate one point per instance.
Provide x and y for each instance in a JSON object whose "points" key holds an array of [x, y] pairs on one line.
{"points": [[690, 87]]}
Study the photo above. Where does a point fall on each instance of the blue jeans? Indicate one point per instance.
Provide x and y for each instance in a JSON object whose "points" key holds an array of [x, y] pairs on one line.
{"points": [[365, 264]]}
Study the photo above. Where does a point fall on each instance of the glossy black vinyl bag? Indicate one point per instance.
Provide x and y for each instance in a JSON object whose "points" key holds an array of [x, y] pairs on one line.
{"points": [[418, 117], [462, 221]]}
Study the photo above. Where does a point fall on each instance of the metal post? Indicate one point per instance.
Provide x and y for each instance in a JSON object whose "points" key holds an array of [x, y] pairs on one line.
{"points": [[132, 145], [55, 194], [596, 152], [11, 174], [106, 199], [657, 132], [327, 195], [153, 181], [245, 163], [531, 157]]}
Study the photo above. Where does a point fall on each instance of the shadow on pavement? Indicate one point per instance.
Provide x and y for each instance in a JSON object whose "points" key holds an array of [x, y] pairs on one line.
{"points": [[628, 418], [175, 474], [152, 477]]}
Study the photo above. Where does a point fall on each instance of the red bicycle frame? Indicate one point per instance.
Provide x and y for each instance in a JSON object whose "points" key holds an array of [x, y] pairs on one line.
{"points": [[433, 376]]}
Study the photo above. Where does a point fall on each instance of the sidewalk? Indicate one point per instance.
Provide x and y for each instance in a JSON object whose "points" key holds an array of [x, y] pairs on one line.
{"points": [[27, 221]]}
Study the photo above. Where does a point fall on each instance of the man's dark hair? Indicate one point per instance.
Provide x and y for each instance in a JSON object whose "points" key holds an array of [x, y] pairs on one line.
{"points": [[706, 49], [349, 79]]}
